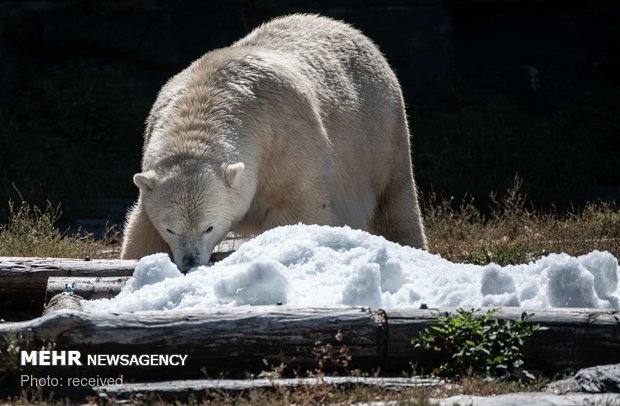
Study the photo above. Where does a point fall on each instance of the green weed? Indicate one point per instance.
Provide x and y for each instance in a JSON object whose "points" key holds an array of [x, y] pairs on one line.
{"points": [[478, 345]]}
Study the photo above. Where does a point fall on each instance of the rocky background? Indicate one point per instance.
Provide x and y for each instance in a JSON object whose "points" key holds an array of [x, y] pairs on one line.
{"points": [[494, 88]]}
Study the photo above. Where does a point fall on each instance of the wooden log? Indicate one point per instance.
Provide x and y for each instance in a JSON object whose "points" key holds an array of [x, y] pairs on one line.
{"points": [[571, 338], [183, 389], [230, 340], [88, 288], [238, 339], [23, 281]]}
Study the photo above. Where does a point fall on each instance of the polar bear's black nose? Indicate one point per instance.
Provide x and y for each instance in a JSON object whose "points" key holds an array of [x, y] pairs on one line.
{"points": [[189, 261]]}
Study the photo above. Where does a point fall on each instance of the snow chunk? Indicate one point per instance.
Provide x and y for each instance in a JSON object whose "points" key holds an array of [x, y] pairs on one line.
{"points": [[604, 267], [392, 277], [501, 300], [496, 281], [151, 270], [261, 283], [363, 287], [570, 284]]}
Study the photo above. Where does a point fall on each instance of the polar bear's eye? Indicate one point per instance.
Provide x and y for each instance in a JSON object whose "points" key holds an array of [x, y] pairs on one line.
{"points": [[208, 230], [169, 231]]}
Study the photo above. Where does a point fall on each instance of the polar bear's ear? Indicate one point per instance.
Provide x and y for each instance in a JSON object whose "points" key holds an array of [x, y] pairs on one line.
{"points": [[232, 173], [145, 180]]}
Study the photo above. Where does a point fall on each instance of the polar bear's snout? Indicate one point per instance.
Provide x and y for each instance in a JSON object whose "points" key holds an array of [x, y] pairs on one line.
{"points": [[188, 262], [191, 257]]}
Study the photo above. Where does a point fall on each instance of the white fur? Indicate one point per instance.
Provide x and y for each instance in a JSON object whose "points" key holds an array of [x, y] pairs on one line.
{"points": [[300, 121]]}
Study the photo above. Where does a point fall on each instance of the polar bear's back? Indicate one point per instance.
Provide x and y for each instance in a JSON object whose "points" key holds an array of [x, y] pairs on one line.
{"points": [[359, 101], [336, 56]]}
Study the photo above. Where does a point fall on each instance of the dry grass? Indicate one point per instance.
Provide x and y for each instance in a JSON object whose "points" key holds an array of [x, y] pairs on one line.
{"points": [[303, 395], [514, 233], [331, 394], [32, 232]]}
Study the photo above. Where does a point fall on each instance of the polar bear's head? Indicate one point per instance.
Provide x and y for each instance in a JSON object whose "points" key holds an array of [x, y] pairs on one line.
{"points": [[192, 208]]}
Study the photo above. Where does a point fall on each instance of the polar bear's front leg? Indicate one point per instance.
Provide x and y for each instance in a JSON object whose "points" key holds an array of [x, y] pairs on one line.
{"points": [[140, 236], [397, 216]]}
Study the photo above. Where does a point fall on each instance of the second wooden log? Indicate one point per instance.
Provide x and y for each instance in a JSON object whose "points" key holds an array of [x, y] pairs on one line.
{"points": [[88, 288]]}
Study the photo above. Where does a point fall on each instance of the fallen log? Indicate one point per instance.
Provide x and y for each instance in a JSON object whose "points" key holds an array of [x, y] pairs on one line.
{"points": [[235, 340], [214, 340], [23, 281], [184, 389], [87, 288]]}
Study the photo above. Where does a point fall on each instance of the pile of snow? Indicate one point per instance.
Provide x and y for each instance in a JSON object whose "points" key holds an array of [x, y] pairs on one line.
{"points": [[321, 266]]}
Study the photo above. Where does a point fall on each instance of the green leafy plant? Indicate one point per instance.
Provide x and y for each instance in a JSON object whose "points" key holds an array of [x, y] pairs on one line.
{"points": [[478, 345]]}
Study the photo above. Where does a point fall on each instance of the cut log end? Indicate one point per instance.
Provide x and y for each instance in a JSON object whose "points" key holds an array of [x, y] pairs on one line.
{"points": [[63, 301]]}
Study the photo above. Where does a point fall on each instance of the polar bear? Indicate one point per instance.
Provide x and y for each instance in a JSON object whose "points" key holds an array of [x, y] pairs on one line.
{"points": [[302, 121]]}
